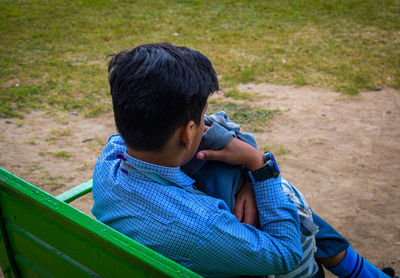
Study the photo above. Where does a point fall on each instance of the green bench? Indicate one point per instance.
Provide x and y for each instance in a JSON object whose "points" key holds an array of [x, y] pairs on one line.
{"points": [[43, 236]]}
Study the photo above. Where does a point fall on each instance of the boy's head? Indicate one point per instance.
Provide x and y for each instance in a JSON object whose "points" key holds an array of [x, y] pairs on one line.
{"points": [[157, 88]]}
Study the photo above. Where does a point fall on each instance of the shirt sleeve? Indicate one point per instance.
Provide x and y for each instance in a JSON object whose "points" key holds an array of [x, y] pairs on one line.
{"points": [[227, 247]]}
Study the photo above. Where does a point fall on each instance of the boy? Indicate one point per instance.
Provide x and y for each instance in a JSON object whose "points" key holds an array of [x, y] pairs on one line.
{"points": [[222, 180], [159, 96]]}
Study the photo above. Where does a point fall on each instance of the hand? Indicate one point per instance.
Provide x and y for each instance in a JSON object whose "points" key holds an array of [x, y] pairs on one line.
{"points": [[245, 207], [236, 152]]}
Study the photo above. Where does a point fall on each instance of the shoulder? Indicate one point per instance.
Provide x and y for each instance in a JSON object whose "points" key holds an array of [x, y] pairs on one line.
{"points": [[114, 145], [107, 164]]}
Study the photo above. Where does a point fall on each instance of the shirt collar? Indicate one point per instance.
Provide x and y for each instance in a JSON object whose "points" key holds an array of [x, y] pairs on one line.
{"points": [[173, 174]]}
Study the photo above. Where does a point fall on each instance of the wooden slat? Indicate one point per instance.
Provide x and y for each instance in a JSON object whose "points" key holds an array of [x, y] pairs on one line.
{"points": [[29, 269], [41, 255]]}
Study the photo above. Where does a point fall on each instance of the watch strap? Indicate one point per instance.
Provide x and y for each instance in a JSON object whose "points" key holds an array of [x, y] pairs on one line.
{"points": [[269, 170]]}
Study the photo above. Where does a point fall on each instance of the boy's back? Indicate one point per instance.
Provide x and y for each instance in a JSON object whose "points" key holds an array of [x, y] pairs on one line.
{"points": [[180, 222]]}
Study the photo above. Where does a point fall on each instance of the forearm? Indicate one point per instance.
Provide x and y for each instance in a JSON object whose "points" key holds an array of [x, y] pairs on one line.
{"points": [[278, 216], [275, 207], [274, 250], [227, 247], [277, 213]]}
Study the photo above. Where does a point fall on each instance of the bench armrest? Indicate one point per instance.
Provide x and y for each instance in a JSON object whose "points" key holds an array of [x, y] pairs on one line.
{"points": [[76, 192]]}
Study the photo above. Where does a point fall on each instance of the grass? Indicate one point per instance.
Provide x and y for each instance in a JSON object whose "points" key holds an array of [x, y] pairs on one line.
{"points": [[32, 142], [53, 53], [250, 118], [276, 150], [15, 99], [62, 154], [237, 95], [57, 132]]}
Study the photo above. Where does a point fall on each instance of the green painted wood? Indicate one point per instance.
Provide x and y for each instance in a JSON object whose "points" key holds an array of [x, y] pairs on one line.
{"points": [[29, 269], [76, 192], [47, 259], [70, 239], [54, 235], [7, 262]]}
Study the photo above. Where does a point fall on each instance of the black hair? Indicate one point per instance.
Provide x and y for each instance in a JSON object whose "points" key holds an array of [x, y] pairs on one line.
{"points": [[155, 89]]}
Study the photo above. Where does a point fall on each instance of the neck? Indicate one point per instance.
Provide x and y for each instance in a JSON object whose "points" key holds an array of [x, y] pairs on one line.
{"points": [[171, 154], [154, 157]]}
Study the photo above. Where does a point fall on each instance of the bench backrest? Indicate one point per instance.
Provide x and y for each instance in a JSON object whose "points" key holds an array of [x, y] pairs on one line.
{"points": [[42, 236]]}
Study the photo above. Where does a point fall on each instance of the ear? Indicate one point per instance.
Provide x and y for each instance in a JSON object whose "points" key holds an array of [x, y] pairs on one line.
{"points": [[187, 134]]}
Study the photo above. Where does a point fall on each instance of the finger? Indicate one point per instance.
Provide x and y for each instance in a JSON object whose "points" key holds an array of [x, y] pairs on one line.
{"points": [[238, 210], [209, 155], [250, 215], [246, 216]]}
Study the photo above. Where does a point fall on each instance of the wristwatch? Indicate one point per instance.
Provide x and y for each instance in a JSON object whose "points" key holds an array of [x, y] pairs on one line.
{"points": [[269, 170]]}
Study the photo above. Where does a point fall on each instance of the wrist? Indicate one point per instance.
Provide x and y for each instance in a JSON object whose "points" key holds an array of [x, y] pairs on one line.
{"points": [[256, 161], [269, 170]]}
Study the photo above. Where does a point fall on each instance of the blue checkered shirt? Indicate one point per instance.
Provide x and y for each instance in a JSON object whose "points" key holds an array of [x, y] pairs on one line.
{"points": [[195, 230]]}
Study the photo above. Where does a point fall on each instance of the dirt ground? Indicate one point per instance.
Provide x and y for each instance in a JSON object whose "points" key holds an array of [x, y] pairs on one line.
{"points": [[342, 152]]}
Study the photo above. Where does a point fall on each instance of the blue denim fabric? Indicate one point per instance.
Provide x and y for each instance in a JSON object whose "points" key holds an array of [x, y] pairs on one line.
{"points": [[212, 177], [329, 241]]}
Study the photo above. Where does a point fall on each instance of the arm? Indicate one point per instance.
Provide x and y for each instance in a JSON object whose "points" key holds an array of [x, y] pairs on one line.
{"points": [[232, 248], [227, 247]]}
